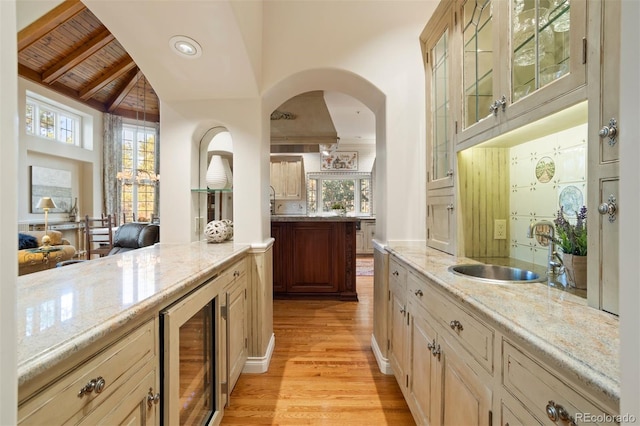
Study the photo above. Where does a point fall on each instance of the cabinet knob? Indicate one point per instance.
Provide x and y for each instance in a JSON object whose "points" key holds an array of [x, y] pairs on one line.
{"points": [[431, 346], [610, 131], [395, 273], [552, 412], [151, 398], [610, 208], [403, 310], [418, 292], [456, 325], [96, 385]]}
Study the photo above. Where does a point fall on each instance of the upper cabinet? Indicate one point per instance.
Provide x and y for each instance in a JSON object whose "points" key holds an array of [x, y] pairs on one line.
{"points": [[287, 176], [437, 51], [521, 60]]}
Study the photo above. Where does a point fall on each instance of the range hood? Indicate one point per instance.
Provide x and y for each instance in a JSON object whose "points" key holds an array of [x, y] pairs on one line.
{"points": [[301, 124]]}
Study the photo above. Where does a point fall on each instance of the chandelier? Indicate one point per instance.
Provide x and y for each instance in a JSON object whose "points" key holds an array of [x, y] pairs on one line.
{"points": [[134, 175], [138, 176]]}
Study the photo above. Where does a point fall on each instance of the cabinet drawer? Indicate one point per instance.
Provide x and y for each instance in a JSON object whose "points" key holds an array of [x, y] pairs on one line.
{"points": [[397, 277], [59, 402], [475, 337], [536, 387], [238, 269]]}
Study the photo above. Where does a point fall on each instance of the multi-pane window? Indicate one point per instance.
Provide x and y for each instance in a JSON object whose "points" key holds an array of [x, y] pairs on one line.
{"points": [[139, 172], [52, 122], [351, 190]]}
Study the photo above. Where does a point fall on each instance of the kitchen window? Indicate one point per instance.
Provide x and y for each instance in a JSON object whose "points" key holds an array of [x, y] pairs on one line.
{"points": [[353, 190]]}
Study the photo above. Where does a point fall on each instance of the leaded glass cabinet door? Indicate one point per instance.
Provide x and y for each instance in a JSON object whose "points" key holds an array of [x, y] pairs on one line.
{"points": [[479, 56], [440, 122], [548, 51]]}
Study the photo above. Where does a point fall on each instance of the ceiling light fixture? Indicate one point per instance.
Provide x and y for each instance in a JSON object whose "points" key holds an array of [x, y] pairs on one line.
{"points": [[185, 46]]}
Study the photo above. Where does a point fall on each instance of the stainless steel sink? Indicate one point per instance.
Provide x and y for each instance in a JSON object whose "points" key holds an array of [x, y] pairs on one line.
{"points": [[497, 273]]}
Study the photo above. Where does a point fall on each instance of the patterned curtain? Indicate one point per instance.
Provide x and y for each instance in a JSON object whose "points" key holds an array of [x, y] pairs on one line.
{"points": [[156, 200], [112, 164]]}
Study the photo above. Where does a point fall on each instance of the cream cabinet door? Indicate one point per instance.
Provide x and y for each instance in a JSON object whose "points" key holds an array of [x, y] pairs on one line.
{"points": [[603, 160], [422, 364], [286, 177], [397, 321], [466, 393], [441, 222]]}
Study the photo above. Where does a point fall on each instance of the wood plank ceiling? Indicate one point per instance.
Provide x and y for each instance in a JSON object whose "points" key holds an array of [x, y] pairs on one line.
{"points": [[71, 52]]}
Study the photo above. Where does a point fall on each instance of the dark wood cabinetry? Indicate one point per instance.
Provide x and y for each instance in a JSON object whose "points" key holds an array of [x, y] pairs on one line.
{"points": [[314, 258]]}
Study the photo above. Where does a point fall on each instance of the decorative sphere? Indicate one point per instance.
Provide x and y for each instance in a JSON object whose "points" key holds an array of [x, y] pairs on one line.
{"points": [[216, 231], [229, 224]]}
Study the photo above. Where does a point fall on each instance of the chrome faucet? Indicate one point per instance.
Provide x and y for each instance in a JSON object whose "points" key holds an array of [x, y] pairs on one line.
{"points": [[272, 201], [554, 262]]}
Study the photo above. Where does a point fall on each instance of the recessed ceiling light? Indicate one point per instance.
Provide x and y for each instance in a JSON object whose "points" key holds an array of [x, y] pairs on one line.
{"points": [[185, 46]]}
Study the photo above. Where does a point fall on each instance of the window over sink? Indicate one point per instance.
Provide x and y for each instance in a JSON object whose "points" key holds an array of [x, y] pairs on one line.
{"points": [[354, 191]]}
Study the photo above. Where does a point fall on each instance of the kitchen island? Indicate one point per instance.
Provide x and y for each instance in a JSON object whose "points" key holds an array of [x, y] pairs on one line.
{"points": [[314, 257]]}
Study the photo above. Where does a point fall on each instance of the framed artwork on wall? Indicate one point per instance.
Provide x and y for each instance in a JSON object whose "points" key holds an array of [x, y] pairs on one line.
{"points": [[339, 160], [54, 183]]}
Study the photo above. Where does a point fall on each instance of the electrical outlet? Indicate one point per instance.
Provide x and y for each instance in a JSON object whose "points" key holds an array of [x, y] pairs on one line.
{"points": [[500, 229]]}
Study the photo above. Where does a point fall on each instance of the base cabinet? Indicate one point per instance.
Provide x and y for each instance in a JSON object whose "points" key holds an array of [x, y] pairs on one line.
{"points": [[112, 384], [456, 369], [443, 385], [314, 258], [234, 328]]}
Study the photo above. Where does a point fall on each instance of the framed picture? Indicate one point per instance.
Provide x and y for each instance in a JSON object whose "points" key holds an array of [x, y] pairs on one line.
{"points": [[339, 160], [54, 183]]}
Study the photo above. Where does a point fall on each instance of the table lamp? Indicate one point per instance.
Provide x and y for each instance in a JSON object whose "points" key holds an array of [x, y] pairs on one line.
{"points": [[46, 203]]}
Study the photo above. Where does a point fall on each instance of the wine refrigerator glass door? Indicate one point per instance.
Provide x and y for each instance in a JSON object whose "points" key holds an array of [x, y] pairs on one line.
{"points": [[190, 378]]}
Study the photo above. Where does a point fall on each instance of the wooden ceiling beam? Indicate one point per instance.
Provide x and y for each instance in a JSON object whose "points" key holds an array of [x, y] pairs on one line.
{"points": [[133, 81], [42, 26], [114, 73], [78, 55]]}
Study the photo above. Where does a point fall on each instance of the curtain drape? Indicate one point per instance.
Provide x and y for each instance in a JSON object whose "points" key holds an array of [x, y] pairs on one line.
{"points": [[112, 163]]}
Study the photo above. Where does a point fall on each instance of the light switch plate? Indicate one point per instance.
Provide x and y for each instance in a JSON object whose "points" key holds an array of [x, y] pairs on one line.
{"points": [[500, 229]]}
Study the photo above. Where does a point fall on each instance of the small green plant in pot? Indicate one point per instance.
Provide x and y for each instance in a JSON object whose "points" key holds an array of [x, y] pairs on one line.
{"points": [[338, 208], [572, 241]]}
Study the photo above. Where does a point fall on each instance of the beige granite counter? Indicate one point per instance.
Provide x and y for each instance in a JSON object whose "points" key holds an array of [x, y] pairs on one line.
{"points": [[63, 310], [581, 341]]}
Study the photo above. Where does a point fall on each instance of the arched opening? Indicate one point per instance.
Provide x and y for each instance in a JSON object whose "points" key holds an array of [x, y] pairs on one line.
{"points": [[216, 200]]}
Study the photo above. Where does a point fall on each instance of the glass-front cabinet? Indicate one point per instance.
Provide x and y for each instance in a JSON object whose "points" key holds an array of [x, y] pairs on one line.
{"points": [[518, 56], [438, 43]]}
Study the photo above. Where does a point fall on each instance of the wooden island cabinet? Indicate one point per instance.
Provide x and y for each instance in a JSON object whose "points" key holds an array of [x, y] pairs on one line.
{"points": [[314, 256]]}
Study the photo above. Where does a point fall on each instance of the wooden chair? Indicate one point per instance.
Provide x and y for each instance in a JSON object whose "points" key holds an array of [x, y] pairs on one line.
{"points": [[98, 233], [132, 217]]}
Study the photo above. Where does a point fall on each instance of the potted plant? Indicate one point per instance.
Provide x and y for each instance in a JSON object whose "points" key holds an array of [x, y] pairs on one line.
{"points": [[572, 240], [338, 208]]}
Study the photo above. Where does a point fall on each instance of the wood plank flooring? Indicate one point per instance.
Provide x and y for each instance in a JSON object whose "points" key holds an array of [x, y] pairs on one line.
{"points": [[322, 372]]}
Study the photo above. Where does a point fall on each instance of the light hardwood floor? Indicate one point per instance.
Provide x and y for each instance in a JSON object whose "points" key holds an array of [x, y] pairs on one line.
{"points": [[323, 371]]}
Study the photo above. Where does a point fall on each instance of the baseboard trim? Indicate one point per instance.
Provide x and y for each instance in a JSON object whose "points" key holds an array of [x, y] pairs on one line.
{"points": [[259, 365], [383, 363]]}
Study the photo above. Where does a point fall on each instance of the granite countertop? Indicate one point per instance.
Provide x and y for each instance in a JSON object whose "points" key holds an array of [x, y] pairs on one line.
{"points": [[63, 310], [583, 342], [305, 218]]}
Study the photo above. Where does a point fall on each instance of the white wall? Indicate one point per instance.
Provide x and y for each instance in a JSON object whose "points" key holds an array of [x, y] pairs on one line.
{"points": [[383, 49], [8, 211]]}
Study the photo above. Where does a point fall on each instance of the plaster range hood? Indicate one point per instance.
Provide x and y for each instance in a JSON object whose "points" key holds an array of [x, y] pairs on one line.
{"points": [[301, 124]]}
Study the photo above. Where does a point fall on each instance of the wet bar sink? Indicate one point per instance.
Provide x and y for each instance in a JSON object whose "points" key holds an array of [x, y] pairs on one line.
{"points": [[497, 273]]}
